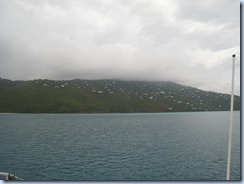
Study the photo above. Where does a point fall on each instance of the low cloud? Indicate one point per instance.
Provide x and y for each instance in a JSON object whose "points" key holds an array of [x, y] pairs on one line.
{"points": [[189, 42]]}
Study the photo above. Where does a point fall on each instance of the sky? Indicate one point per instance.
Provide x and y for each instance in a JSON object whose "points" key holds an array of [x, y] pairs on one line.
{"points": [[188, 42]]}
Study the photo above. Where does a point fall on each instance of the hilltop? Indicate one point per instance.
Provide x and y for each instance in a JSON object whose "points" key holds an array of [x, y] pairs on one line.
{"points": [[107, 96]]}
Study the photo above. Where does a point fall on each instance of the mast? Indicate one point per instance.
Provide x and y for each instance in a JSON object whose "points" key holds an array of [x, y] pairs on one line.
{"points": [[231, 118]]}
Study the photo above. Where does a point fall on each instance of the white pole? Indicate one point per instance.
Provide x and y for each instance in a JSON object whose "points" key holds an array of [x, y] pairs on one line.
{"points": [[231, 117]]}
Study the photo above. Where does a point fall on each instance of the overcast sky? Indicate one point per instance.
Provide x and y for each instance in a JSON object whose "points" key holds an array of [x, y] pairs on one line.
{"points": [[190, 42]]}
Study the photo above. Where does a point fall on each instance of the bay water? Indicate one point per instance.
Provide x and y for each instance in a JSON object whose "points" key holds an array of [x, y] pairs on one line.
{"points": [[119, 147]]}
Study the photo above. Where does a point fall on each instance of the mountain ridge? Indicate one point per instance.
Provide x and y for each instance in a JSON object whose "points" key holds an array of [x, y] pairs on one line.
{"points": [[107, 96]]}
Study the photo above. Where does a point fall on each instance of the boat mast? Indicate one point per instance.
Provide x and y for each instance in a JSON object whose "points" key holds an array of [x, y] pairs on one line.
{"points": [[231, 118]]}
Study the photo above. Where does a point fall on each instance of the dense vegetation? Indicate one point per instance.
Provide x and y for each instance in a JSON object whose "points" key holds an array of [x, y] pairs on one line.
{"points": [[90, 96]]}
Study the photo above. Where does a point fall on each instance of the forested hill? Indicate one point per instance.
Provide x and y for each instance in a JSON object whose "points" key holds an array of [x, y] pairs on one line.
{"points": [[97, 96]]}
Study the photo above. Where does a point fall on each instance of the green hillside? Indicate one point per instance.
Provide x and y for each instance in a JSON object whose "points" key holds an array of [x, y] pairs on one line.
{"points": [[95, 96]]}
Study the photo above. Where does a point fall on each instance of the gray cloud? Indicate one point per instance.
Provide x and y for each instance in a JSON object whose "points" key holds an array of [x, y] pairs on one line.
{"points": [[190, 42]]}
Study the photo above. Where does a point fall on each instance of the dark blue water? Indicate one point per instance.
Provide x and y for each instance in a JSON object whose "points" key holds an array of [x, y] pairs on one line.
{"points": [[159, 146]]}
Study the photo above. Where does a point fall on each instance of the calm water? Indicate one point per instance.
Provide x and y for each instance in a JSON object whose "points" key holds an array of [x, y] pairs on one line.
{"points": [[160, 146]]}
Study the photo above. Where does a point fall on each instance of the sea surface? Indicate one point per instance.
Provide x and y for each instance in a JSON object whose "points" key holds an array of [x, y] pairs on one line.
{"points": [[134, 147]]}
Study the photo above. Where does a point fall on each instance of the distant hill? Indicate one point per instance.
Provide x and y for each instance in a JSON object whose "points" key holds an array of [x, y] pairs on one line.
{"points": [[98, 96]]}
